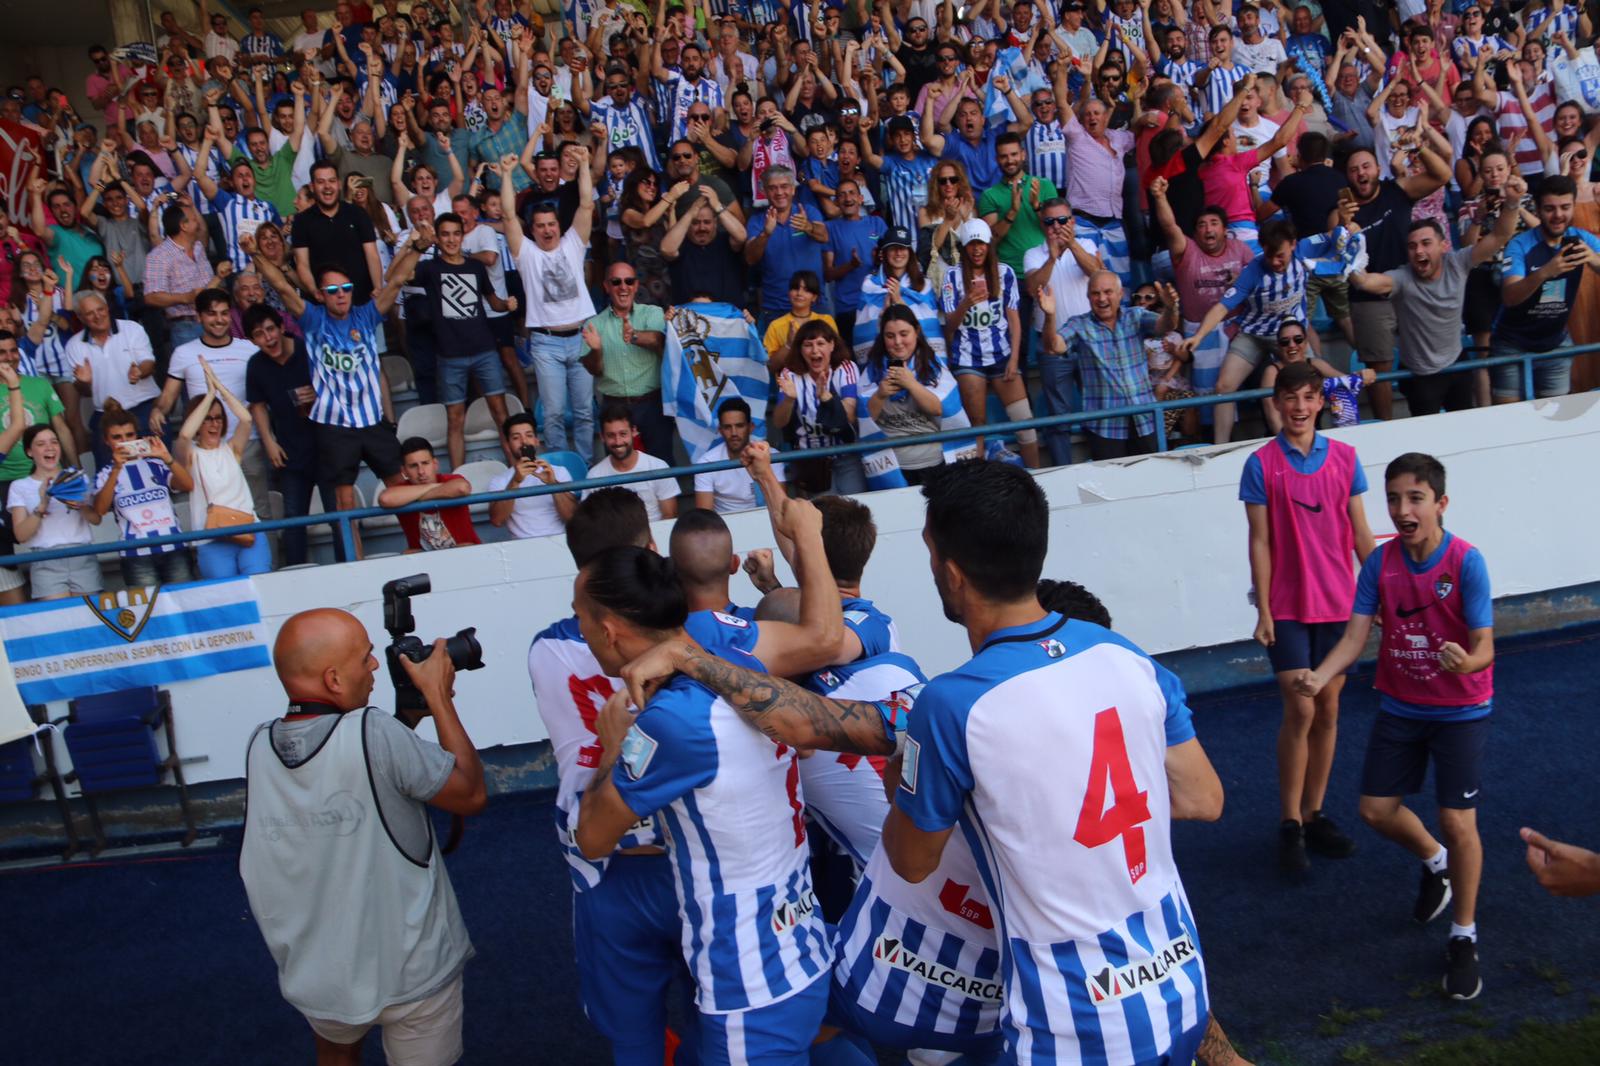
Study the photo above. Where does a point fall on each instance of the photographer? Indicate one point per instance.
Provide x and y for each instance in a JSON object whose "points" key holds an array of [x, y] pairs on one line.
{"points": [[338, 805]]}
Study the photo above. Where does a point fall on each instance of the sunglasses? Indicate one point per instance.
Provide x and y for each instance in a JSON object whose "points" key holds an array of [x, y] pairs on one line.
{"points": [[1292, 338], [1055, 220], [621, 282], [948, 59], [681, 155], [332, 289], [1142, 298], [949, 179]]}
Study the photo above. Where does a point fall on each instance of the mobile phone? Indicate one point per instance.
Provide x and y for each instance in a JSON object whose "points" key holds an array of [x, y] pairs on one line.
{"points": [[529, 452], [134, 449], [1568, 240], [1347, 196]]}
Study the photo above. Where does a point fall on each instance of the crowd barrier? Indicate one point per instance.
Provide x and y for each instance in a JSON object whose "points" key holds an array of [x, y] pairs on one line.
{"points": [[344, 521]]}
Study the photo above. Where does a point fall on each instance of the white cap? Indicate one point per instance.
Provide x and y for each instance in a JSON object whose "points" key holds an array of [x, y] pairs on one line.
{"points": [[974, 229]]}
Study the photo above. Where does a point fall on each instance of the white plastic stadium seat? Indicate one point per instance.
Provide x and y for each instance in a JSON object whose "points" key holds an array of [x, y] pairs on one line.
{"points": [[480, 473], [428, 422], [401, 376]]}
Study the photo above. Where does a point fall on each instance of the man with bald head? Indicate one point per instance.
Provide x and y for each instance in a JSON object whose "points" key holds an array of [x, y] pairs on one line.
{"points": [[1107, 346], [339, 861]]}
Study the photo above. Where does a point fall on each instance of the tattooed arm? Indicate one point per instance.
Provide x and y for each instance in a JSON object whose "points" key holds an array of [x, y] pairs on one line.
{"points": [[781, 709], [1216, 1049]]}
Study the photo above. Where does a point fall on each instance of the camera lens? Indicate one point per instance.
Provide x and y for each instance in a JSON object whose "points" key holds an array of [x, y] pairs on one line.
{"points": [[464, 650]]}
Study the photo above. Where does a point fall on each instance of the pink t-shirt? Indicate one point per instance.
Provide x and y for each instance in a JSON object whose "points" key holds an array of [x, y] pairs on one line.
{"points": [[1201, 279], [114, 111], [1226, 184]]}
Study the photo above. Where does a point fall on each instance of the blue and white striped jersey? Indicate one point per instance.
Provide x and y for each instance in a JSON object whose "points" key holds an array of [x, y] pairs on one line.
{"points": [[216, 170], [1181, 72], [345, 356], [143, 504], [1219, 89], [984, 337], [844, 792], [682, 94], [1267, 297], [570, 689], [1059, 731], [730, 802], [50, 357], [240, 216], [904, 185], [1046, 145], [628, 125]]}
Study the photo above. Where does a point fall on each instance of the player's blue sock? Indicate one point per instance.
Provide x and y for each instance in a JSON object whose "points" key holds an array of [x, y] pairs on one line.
{"points": [[1468, 931], [1439, 863], [846, 1049]]}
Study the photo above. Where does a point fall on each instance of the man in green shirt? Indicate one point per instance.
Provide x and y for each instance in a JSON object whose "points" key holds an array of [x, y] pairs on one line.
{"points": [[40, 405], [274, 171], [1012, 208], [626, 342]]}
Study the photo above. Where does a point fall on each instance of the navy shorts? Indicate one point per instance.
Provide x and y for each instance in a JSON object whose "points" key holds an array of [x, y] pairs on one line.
{"points": [[845, 1013], [1399, 750], [1302, 645], [630, 954]]}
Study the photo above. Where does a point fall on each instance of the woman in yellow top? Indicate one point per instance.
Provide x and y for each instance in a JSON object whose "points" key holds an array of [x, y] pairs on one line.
{"points": [[805, 289]]}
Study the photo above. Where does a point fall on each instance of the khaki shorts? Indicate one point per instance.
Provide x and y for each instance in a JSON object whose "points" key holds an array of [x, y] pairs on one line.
{"points": [[1335, 292], [424, 1032]]}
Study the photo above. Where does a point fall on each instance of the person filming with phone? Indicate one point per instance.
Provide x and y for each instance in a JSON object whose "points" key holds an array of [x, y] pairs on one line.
{"points": [[138, 484], [344, 875], [544, 515]]}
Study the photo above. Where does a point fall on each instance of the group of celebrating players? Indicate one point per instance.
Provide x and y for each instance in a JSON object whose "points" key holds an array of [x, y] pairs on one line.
{"points": [[1011, 892]]}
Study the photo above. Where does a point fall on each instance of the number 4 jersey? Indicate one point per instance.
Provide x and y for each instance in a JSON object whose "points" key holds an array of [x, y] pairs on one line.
{"points": [[1058, 732]]}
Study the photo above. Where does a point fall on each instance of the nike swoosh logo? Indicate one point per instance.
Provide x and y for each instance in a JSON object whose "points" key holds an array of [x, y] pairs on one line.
{"points": [[1469, 795], [1405, 612], [1314, 510]]}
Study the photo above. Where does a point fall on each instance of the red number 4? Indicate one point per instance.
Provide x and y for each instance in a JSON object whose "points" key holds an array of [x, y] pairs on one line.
{"points": [[1130, 809]]}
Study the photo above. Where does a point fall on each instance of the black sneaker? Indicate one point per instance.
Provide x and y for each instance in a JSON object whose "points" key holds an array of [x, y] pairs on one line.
{"points": [[1433, 896], [1327, 839], [1292, 858], [1461, 980]]}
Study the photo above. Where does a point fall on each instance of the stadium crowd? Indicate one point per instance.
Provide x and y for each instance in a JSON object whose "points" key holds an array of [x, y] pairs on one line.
{"points": [[893, 219], [919, 205]]}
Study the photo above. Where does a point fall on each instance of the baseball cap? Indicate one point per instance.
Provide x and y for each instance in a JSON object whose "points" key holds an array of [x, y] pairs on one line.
{"points": [[1073, 5], [896, 237], [974, 229], [900, 122]]}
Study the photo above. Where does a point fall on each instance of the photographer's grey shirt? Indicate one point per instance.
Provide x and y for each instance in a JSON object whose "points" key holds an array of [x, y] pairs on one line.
{"points": [[340, 866], [1428, 313]]}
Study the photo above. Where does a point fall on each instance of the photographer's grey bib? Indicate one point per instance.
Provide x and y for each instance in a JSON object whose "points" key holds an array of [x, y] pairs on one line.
{"points": [[354, 923]]}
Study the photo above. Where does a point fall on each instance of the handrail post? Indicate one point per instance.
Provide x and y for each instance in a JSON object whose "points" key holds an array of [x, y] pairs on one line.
{"points": [[347, 538], [1527, 376], [1161, 427]]}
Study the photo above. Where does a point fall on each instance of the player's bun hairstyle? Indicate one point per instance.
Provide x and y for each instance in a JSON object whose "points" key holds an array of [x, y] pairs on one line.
{"points": [[848, 536], [1420, 465], [638, 585], [1072, 600], [992, 520], [607, 518]]}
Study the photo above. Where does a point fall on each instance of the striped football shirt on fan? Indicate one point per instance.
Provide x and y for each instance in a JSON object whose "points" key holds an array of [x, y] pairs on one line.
{"points": [[345, 357]]}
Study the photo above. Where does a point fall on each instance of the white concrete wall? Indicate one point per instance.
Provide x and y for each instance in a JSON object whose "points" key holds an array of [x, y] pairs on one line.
{"points": [[1161, 540]]}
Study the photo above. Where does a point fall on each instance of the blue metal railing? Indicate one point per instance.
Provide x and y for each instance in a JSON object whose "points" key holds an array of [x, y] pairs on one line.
{"points": [[345, 521]]}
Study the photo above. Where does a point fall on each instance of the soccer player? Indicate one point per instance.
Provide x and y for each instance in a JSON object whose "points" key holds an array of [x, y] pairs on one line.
{"points": [[1436, 686], [624, 907], [1302, 498], [753, 936], [1063, 732], [702, 551]]}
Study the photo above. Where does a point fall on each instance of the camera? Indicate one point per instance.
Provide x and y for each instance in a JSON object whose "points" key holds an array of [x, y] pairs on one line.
{"points": [[464, 650]]}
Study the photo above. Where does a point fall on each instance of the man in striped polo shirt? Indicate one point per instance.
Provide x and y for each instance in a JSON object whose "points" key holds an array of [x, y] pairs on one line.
{"points": [[353, 422]]}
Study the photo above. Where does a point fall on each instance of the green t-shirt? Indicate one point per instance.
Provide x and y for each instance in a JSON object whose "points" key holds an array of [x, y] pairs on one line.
{"points": [[1025, 232], [275, 181], [629, 369], [40, 404], [72, 246]]}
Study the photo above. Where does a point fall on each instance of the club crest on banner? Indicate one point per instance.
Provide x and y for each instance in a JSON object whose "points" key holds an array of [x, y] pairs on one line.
{"points": [[125, 612], [709, 380]]}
